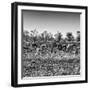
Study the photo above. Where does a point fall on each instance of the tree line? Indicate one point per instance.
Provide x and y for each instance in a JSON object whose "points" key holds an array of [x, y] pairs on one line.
{"points": [[43, 43]]}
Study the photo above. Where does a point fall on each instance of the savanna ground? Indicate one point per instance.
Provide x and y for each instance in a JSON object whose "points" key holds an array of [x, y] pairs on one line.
{"points": [[56, 58]]}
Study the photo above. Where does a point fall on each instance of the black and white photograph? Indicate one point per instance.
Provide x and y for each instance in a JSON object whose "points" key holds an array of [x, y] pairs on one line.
{"points": [[51, 44]]}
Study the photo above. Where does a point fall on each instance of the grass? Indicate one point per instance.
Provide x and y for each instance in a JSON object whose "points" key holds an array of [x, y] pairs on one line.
{"points": [[54, 65]]}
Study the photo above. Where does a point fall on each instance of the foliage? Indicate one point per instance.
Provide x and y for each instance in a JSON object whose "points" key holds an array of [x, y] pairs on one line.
{"points": [[46, 54]]}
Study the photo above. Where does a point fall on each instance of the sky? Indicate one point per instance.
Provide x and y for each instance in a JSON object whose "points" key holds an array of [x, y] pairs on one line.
{"points": [[51, 21]]}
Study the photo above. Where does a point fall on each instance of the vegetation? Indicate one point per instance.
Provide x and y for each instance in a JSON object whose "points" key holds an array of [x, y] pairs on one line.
{"points": [[46, 54]]}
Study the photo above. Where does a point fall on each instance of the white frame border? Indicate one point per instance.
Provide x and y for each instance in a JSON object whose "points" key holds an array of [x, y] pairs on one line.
{"points": [[59, 78]]}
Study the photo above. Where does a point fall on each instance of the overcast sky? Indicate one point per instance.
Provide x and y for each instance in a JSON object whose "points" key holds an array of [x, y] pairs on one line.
{"points": [[51, 21]]}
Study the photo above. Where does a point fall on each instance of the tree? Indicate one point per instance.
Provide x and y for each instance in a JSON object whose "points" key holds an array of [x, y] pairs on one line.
{"points": [[26, 36], [78, 36], [34, 35], [45, 36], [58, 36], [69, 36], [26, 33], [50, 38]]}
